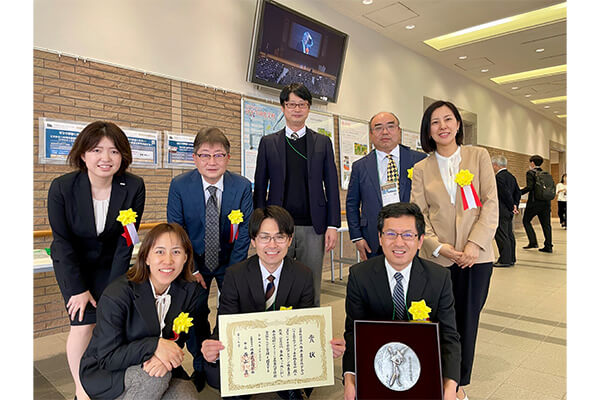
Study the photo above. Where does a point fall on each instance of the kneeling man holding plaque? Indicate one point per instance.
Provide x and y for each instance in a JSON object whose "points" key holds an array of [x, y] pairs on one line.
{"points": [[400, 359], [278, 356]]}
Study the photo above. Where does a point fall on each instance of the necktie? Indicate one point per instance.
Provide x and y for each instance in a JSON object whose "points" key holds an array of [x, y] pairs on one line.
{"points": [[211, 236], [269, 294], [398, 297], [392, 170], [294, 136]]}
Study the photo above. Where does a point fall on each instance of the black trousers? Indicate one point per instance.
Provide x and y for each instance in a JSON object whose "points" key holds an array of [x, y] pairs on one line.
{"points": [[505, 239], [541, 209], [562, 212], [470, 287]]}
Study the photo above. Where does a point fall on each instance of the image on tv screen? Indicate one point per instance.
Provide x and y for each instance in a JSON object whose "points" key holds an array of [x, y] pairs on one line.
{"points": [[305, 40]]}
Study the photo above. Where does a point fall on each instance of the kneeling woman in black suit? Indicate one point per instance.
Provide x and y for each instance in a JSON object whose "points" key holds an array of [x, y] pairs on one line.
{"points": [[133, 354]]}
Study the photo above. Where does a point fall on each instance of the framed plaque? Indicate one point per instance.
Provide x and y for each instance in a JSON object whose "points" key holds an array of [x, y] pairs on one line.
{"points": [[397, 359]]}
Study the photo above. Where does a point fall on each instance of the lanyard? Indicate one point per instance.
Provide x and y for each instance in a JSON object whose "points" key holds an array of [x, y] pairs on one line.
{"points": [[293, 148]]}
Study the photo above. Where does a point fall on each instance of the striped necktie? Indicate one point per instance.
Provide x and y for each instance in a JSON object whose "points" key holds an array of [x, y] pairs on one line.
{"points": [[398, 297], [270, 293]]}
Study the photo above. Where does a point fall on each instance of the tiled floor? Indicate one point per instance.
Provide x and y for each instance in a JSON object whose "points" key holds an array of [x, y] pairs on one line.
{"points": [[521, 348]]}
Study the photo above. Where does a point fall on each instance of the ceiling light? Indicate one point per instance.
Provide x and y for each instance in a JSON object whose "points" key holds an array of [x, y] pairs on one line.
{"points": [[562, 116], [500, 27], [410, 27], [536, 73], [527, 95], [539, 50], [514, 87], [555, 112], [546, 106], [367, 2], [462, 57], [550, 100], [484, 70]]}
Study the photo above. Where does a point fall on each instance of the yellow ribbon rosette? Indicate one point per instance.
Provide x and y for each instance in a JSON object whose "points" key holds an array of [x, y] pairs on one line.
{"points": [[127, 217], [464, 177], [182, 323], [283, 308], [236, 217], [419, 311], [410, 173]]}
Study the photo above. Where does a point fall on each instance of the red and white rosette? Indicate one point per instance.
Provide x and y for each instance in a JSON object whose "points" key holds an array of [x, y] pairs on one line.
{"points": [[127, 218], [470, 199], [236, 217]]}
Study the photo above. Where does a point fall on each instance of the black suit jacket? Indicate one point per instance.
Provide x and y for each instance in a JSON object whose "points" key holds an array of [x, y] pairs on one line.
{"points": [[77, 251], [323, 190], [127, 331], [509, 193], [369, 297], [243, 291]]}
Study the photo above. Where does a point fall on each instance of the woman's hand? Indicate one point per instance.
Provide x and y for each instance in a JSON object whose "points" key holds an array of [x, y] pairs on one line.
{"points": [[155, 367], [169, 353], [78, 302], [338, 345], [448, 251], [469, 256], [210, 349]]}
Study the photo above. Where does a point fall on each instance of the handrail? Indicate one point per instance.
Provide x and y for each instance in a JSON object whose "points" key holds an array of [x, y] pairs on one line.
{"points": [[48, 232]]}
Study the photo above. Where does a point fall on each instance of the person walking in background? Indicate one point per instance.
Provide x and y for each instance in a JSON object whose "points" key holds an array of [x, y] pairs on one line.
{"points": [[378, 179], [456, 190], [561, 193], [88, 250], [539, 207], [509, 196]]}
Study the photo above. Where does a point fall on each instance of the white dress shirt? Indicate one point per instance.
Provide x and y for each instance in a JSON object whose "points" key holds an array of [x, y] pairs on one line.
{"points": [[382, 163], [449, 167], [301, 132], [100, 213], [265, 274], [218, 193], [405, 278]]}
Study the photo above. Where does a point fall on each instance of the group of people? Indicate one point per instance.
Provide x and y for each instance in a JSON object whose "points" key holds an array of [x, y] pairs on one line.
{"points": [[423, 227]]}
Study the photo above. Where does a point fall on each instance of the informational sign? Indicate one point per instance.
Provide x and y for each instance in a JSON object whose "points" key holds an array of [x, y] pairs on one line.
{"points": [[411, 139], [179, 150], [57, 137], [354, 144], [261, 118]]}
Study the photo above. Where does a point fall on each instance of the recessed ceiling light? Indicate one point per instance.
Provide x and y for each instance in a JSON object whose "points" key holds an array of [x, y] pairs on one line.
{"points": [[525, 75], [527, 95], [550, 100], [367, 2], [562, 116], [410, 27], [555, 112], [484, 70], [546, 106], [462, 57], [500, 27], [514, 87], [539, 50]]}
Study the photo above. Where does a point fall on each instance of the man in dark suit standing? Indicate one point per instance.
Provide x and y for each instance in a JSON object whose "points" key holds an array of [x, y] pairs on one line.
{"points": [[509, 196], [266, 281], [378, 179], [297, 165], [383, 287], [541, 208], [204, 201]]}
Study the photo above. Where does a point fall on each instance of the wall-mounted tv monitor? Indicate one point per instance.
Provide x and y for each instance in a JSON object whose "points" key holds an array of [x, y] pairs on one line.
{"points": [[290, 47]]}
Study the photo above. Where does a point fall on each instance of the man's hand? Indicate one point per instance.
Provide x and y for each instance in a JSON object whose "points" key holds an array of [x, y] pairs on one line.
{"points": [[210, 349], [350, 387], [155, 367], [338, 345], [331, 238], [363, 248], [78, 302], [198, 277], [515, 210], [169, 353], [449, 389]]}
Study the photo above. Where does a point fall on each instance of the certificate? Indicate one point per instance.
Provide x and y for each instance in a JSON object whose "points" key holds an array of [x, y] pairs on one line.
{"points": [[275, 350]]}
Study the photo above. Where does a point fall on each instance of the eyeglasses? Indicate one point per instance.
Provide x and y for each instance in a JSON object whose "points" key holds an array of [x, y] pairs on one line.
{"points": [[266, 239], [206, 157], [390, 127], [291, 106], [408, 236]]}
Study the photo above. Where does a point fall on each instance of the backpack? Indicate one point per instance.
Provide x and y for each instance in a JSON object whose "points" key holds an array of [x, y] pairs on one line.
{"points": [[544, 188]]}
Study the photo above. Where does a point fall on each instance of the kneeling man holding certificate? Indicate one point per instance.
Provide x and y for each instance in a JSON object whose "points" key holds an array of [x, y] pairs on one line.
{"points": [[384, 287], [268, 281]]}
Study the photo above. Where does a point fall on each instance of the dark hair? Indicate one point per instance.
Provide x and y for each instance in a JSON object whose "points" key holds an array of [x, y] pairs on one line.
{"points": [[381, 112], [298, 89], [211, 136], [562, 178], [536, 160], [396, 210], [89, 138], [427, 143], [140, 272], [284, 220]]}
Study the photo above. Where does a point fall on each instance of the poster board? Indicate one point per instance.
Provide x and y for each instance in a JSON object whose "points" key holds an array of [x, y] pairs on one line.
{"points": [[354, 144], [179, 150]]}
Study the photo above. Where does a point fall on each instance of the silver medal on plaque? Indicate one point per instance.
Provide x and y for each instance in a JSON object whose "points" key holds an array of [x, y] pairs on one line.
{"points": [[397, 366]]}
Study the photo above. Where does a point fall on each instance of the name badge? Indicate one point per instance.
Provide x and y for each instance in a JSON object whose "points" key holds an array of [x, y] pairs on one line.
{"points": [[389, 193]]}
